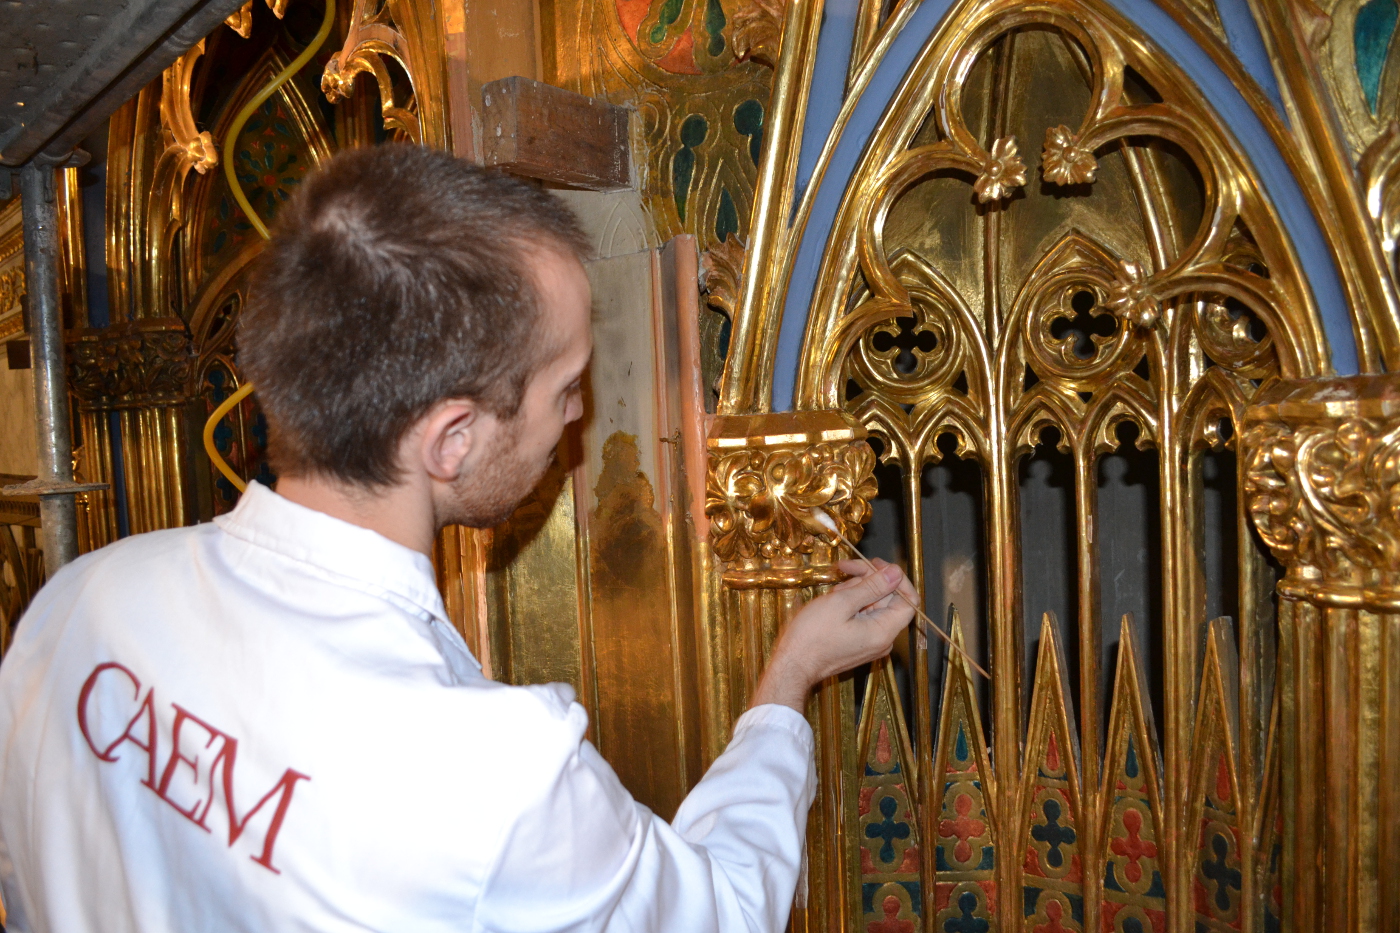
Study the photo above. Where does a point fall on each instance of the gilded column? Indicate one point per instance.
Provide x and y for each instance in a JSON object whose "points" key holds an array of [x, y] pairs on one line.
{"points": [[1323, 482], [766, 473], [140, 369]]}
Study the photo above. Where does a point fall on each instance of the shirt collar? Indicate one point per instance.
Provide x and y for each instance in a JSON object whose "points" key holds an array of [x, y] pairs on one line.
{"points": [[355, 557]]}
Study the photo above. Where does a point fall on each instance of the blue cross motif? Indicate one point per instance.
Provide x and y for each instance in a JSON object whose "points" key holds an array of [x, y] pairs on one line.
{"points": [[223, 436], [1052, 833], [1222, 874], [967, 923], [887, 829]]}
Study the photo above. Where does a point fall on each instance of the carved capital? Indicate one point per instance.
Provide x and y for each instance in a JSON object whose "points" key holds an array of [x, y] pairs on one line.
{"points": [[767, 472], [1323, 486], [134, 364]]}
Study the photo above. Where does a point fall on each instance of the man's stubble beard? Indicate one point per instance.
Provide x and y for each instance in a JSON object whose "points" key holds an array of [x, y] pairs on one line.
{"points": [[489, 496]]}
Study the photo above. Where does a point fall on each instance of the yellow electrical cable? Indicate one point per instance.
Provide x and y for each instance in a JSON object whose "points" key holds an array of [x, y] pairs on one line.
{"points": [[230, 142], [243, 392]]}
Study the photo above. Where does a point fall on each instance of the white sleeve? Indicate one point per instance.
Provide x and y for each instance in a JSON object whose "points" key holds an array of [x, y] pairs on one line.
{"points": [[587, 857]]}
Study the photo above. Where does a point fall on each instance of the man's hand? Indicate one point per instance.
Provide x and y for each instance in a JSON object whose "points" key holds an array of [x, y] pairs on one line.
{"points": [[853, 624]]}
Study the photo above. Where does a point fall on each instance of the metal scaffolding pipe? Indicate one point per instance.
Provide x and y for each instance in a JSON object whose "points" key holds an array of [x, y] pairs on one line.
{"points": [[57, 511]]}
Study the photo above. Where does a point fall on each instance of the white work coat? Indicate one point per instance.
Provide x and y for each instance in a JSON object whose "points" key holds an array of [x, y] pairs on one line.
{"points": [[267, 723]]}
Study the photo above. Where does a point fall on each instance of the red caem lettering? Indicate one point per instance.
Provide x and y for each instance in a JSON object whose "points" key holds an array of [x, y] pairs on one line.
{"points": [[177, 758], [222, 763], [145, 709], [282, 790]]}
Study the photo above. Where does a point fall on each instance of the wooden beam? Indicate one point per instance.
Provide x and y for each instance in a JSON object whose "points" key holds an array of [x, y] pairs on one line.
{"points": [[544, 132]]}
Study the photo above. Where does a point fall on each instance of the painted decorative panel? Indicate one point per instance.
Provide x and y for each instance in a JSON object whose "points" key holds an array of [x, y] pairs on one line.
{"points": [[283, 140], [701, 109], [890, 850], [965, 886]]}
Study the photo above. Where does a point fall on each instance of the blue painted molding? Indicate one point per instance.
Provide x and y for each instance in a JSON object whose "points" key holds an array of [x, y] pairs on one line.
{"points": [[1247, 42], [1270, 167], [838, 34]]}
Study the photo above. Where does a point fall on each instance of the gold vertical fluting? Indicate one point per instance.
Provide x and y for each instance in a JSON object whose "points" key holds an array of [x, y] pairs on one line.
{"points": [[92, 455], [766, 474], [1323, 482], [97, 515], [140, 369]]}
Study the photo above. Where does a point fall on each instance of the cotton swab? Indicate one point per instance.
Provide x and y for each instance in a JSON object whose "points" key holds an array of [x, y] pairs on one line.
{"points": [[827, 522]]}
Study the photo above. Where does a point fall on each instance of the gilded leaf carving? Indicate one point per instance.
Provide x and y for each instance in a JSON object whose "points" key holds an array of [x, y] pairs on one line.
{"points": [[405, 33], [241, 20], [148, 362], [758, 31], [11, 288], [1131, 296], [722, 272], [186, 143]]}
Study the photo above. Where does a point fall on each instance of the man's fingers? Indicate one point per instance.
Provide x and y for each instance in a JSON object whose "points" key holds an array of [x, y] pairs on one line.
{"points": [[853, 623], [856, 569], [858, 592]]}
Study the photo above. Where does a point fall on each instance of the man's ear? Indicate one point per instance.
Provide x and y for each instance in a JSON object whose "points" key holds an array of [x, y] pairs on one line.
{"points": [[450, 435]]}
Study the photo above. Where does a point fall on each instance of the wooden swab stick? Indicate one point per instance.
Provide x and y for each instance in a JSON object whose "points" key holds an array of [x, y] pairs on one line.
{"points": [[827, 522]]}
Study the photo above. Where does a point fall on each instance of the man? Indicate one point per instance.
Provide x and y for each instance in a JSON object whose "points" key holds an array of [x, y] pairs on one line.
{"points": [[266, 723]]}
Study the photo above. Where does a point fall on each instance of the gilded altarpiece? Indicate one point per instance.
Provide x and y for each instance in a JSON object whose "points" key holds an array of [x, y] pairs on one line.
{"points": [[1045, 244]]}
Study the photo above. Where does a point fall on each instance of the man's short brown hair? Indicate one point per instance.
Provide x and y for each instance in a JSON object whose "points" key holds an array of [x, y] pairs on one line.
{"points": [[397, 277]]}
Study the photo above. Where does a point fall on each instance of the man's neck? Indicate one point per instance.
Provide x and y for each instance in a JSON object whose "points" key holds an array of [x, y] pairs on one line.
{"points": [[401, 513]]}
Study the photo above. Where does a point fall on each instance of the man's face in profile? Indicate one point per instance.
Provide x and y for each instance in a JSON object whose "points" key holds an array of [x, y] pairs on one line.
{"points": [[520, 449]]}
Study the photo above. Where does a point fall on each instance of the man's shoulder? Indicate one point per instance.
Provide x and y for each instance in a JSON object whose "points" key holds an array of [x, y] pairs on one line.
{"points": [[140, 548], [121, 562], [138, 571]]}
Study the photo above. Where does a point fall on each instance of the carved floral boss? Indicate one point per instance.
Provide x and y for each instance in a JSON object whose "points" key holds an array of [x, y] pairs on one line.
{"points": [[759, 503]]}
